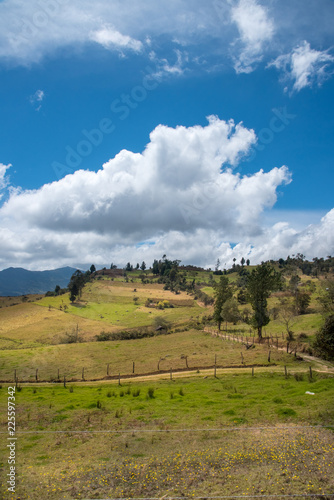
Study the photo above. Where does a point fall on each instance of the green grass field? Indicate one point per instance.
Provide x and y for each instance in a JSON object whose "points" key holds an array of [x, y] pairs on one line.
{"points": [[194, 437]]}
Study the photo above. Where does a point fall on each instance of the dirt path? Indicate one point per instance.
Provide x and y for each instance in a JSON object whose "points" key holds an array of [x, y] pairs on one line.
{"points": [[320, 365]]}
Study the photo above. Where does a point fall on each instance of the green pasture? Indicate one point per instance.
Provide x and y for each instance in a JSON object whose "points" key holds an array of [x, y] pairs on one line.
{"points": [[235, 434]]}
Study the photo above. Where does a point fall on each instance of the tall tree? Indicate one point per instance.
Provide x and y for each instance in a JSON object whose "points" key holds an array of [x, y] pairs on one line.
{"points": [[261, 282], [76, 285], [143, 266], [223, 292], [92, 269], [324, 342], [230, 312]]}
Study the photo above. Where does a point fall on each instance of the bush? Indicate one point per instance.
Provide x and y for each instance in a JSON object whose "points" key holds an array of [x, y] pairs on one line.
{"points": [[103, 336], [150, 392], [124, 335], [72, 337]]}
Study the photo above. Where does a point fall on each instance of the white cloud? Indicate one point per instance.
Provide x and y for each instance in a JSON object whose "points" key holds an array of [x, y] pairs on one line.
{"points": [[180, 196], [304, 66], [37, 98], [31, 30], [164, 67], [255, 28], [281, 240]]}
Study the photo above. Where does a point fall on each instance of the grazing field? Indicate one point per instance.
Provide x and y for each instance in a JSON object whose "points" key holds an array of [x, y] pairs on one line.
{"points": [[184, 349], [235, 434]]}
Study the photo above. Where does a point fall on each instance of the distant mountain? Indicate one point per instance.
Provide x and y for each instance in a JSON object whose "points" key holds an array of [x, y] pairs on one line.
{"points": [[16, 281]]}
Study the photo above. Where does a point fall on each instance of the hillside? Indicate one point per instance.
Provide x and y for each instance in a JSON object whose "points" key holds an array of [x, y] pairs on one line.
{"points": [[16, 281], [102, 393]]}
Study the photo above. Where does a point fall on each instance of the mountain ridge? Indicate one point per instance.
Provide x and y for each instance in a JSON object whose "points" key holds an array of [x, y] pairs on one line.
{"points": [[16, 281]]}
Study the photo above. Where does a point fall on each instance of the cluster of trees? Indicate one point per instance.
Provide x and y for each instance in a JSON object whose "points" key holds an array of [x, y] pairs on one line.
{"points": [[315, 267], [129, 267], [166, 267], [235, 267], [261, 281], [77, 282]]}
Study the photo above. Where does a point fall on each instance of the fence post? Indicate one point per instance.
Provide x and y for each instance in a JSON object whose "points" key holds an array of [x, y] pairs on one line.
{"points": [[83, 374], [171, 374], [58, 375], [285, 372], [215, 372], [36, 376], [311, 372], [108, 370], [242, 358], [119, 379], [269, 357], [64, 381], [252, 371], [133, 367]]}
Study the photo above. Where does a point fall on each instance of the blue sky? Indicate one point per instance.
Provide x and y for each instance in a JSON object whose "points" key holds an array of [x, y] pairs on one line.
{"points": [[198, 130]]}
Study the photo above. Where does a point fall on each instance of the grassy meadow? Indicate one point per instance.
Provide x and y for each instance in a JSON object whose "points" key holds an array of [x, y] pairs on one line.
{"points": [[186, 437], [240, 433]]}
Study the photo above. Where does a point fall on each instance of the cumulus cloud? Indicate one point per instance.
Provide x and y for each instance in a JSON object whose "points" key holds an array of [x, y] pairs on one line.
{"points": [[304, 66], [180, 196], [281, 240], [255, 28]]}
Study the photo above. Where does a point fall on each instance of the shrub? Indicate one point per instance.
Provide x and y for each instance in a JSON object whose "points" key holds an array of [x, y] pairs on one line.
{"points": [[98, 404], [103, 336], [286, 412], [125, 335], [72, 337], [135, 392], [150, 392], [278, 400]]}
